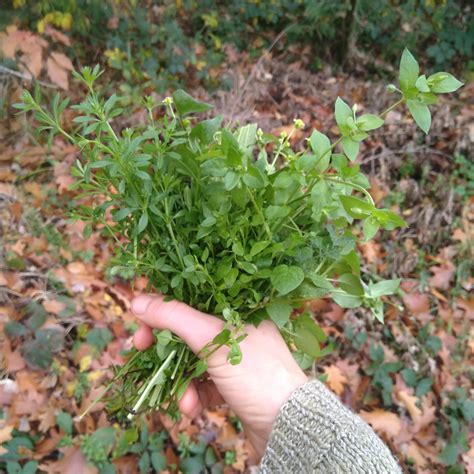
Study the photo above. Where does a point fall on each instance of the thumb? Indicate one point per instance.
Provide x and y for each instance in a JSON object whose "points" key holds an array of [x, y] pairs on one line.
{"points": [[194, 327]]}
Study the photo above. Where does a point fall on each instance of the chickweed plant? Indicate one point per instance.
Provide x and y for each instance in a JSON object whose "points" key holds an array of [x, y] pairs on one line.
{"points": [[231, 221]]}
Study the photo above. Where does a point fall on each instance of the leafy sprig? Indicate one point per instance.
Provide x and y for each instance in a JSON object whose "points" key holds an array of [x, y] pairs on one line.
{"points": [[229, 220]]}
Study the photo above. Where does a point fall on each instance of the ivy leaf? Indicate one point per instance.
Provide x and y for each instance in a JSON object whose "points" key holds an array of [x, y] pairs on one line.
{"points": [[64, 422], [279, 312], [443, 83], [420, 113], [286, 279], [409, 70], [185, 104]]}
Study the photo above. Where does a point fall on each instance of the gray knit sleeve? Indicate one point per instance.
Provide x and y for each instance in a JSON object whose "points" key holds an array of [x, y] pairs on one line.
{"points": [[315, 433]]}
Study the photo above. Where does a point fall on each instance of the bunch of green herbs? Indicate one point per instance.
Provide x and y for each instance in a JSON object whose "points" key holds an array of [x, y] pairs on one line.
{"points": [[230, 220]]}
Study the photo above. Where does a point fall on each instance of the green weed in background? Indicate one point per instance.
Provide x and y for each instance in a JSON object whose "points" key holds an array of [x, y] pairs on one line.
{"points": [[182, 42]]}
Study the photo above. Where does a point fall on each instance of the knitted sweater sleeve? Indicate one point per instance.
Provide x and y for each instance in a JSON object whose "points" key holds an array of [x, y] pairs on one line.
{"points": [[315, 433]]}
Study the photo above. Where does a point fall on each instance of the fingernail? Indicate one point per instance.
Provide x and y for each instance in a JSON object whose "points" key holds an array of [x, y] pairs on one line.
{"points": [[140, 304]]}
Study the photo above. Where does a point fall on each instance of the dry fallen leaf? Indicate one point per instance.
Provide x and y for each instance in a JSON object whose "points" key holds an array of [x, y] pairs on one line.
{"points": [[73, 462], [383, 421], [409, 402], [53, 306], [58, 66], [442, 276], [6, 434], [416, 303], [415, 452], [335, 379]]}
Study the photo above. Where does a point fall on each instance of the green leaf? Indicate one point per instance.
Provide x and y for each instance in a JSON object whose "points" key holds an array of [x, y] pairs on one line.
{"points": [[306, 163], [409, 70], [371, 227], [258, 247], [246, 136], [389, 219], [286, 279], [443, 83], [410, 377], [306, 341], [15, 329], [231, 180], [351, 148], [387, 287], [99, 338], [185, 104], [308, 322], [222, 337], [254, 178], [342, 112], [345, 300], [422, 84], [276, 212], [320, 143], [164, 337], [356, 208], [158, 461], [423, 387], [64, 422], [204, 131], [235, 354], [121, 214], [279, 312], [321, 282], [369, 122], [200, 368], [420, 113], [351, 284], [142, 223]]}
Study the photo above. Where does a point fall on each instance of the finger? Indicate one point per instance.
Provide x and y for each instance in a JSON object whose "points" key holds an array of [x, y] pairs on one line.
{"points": [[143, 338], [195, 328], [190, 404]]}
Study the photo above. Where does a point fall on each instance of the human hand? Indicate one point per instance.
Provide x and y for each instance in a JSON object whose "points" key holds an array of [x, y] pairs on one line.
{"points": [[255, 389]]}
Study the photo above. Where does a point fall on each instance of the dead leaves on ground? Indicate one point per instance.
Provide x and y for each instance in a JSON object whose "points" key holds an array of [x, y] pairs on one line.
{"points": [[33, 55]]}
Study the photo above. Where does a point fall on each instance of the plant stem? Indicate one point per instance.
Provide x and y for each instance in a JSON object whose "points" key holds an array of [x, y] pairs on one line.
{"points": [[352, 185], [151, 384], [259, 211], [393, 106]]}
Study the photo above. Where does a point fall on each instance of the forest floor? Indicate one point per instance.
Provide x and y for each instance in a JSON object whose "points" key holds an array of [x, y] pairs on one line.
{"points": [[63, 324]]}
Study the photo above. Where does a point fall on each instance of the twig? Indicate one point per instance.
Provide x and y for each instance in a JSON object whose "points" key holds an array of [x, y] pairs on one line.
{"points": [[25, 77], [386, 154]]}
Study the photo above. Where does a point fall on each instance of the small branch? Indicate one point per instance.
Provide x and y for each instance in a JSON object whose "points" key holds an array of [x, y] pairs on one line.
{"points": [[26, 77]]}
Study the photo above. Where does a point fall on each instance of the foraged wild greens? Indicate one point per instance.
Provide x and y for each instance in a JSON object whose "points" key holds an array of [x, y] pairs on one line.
{"points": [[229, 220]]}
